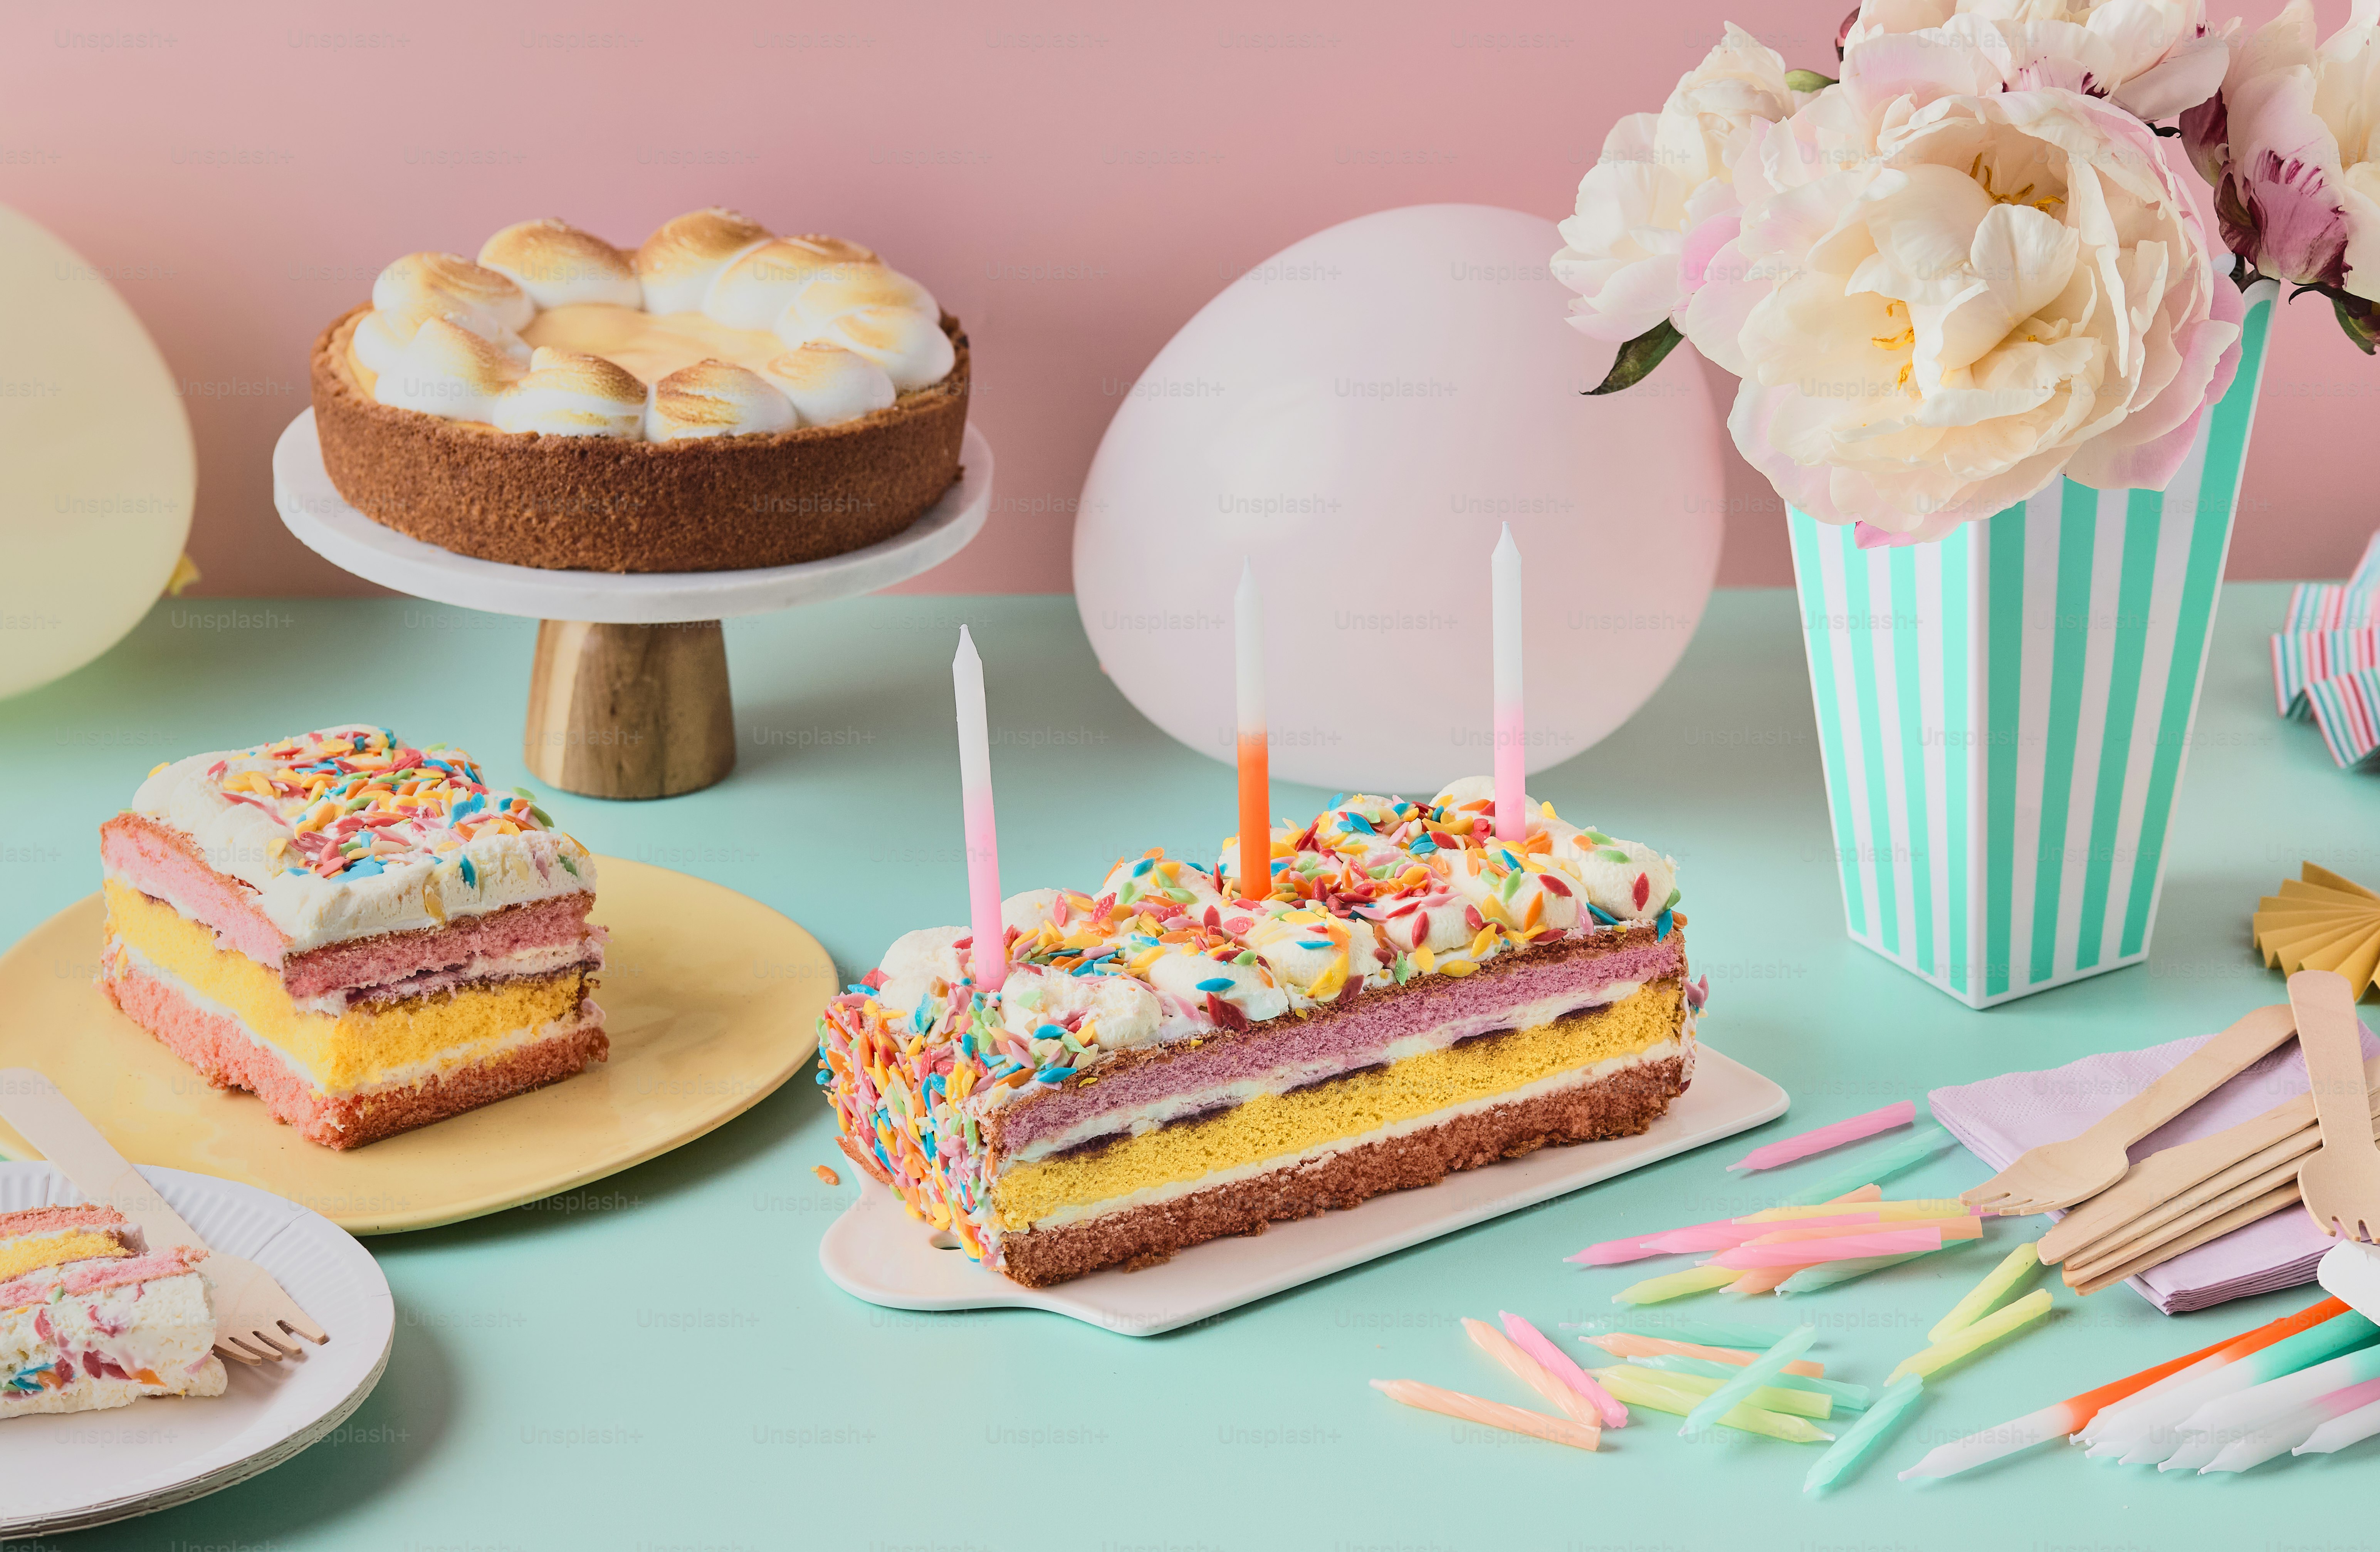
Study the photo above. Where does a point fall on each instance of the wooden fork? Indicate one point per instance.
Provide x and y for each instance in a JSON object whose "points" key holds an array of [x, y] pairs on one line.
{"points": [[2340, 1182], [2172, 1181], [254, 1319], [2060, 1174]]}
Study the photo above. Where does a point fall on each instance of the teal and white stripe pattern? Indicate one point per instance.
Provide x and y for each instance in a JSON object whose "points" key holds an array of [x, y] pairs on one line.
{"points": [[2003, 715]]}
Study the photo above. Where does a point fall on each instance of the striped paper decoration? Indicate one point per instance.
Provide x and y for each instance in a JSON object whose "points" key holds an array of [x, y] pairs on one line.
{"points": [[2329, 606], [2347, 708], [2300, 659], [2003, 715]]}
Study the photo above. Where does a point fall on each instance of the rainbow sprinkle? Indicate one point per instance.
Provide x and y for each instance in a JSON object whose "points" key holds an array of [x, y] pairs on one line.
{"points": [[357, 801]]}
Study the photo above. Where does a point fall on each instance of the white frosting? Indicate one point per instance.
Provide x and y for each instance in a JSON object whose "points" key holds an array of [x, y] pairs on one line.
{"points": [[447, 371], [678, 263], [827, 384], [571, 395], [165, 1326], [440, 284], [715, 398], [915, 962], [1607, 870], [558, 266], [910, 346], [1122, 1011], [1180, 973], [245, 841]]}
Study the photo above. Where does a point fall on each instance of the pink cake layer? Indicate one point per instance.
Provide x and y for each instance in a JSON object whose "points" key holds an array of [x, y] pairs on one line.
{"points": [[50, 1221], [161, 861], [90, 1276], [222, 1052], [1348, 1035]]}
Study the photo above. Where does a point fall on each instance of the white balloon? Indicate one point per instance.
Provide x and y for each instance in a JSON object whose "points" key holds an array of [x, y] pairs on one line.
{"points": [[97, 471], [1359, 414]]}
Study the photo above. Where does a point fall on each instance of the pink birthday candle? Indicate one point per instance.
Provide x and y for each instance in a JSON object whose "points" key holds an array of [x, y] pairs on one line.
{"points": [[990, 955], [1556, 1363], [1727, 1236], [1511, 800], [1771, 1155], [1811, 1253]]}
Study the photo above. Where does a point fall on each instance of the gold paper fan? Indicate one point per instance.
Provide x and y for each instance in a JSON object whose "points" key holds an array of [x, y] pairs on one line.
{"points": [[2323, 922]]}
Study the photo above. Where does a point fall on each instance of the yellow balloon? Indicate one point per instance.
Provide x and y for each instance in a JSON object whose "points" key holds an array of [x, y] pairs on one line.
{"points": [[97, 471]]}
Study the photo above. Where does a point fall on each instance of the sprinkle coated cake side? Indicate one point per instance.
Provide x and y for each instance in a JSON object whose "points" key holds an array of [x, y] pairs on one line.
{"points": [[1168, 1063]]}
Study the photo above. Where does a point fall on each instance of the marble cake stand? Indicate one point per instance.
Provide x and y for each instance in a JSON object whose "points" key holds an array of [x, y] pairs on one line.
{"points": [[629, 693]]}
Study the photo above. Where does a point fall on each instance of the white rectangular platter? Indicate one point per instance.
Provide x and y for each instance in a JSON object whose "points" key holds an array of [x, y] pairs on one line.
{"points": [[877, 1252]]}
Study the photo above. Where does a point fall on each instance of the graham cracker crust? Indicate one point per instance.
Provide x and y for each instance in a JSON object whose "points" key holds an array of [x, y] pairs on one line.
{"points": [[1622, 1105], [603, 503]]}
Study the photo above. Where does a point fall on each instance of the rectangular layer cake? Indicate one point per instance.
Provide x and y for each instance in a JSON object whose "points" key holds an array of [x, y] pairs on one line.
{"points": [[87, 1320], [356, 931], [1168, 1061]]}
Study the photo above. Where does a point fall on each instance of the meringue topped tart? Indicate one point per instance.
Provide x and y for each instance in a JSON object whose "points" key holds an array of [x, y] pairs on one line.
{"points": [[721, 398]]}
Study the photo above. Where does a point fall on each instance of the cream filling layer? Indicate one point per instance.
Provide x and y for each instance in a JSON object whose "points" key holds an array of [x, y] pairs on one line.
{"points": [[1552, 1084], [1144, 1119], [405, 1076]]}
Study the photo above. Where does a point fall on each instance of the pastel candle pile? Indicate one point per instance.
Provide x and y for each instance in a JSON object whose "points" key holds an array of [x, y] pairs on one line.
{"points": [[1526, 1353]]}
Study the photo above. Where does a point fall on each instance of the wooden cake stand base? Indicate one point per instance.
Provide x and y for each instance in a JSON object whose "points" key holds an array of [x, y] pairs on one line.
{"points": [[629, 693]]}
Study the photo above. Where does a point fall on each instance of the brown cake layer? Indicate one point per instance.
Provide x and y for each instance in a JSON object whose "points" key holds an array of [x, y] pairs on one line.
{"points": [[368, 1118], [1622, 1105], [604, 503]]}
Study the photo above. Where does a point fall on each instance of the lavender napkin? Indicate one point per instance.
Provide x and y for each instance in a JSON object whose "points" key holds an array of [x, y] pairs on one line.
{"points": [[2000, 1118]]}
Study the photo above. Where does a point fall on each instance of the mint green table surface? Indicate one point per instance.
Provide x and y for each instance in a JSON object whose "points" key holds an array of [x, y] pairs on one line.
{"points": [[657, 1362]]}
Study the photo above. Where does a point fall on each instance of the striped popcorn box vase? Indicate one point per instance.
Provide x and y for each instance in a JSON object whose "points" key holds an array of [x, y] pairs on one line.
{"points": [[2003, 714]]}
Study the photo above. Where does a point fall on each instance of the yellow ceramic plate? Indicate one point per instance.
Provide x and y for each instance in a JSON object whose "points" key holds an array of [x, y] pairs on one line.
{"points": [[711, 1000]]}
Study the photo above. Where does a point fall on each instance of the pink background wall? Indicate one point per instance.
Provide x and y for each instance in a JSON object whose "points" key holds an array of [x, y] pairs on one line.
{"points": [[1073, 179]]}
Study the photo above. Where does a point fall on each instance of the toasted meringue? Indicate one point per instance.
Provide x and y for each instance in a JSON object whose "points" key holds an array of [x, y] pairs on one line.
{"points": [[566, 394], [678, 263], [752, 292], [380, 338], [424, 285], [830, 295], [447, 371], [715, 398], [558, 266], [828, 383], [910, 346]]}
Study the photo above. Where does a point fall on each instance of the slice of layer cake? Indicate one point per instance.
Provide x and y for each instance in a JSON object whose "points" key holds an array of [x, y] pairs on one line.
{"points": [[356, 931], [89, 1321], [1167, 1063]]}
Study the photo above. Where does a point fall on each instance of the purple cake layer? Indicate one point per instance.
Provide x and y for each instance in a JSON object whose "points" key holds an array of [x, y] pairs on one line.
{"points": [[1348, 1035]]}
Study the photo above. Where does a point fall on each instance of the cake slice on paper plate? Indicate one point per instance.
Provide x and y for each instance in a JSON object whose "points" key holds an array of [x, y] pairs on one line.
{"points": [[89, 1321], [360, 931], [1167, 1062]]}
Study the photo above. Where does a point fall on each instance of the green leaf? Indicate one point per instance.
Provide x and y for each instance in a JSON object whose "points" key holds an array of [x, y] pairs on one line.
{"points": [[1639, 357], [2359, 318], [1807, 80]]}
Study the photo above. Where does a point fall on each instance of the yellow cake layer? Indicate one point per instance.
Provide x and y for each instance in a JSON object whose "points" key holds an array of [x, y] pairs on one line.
{"points": [[358, 1049], [1280, 1125], [31, 1253]]}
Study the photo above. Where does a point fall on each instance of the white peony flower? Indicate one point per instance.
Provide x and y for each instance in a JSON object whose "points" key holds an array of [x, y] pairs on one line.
{"points": [[2292, 146], [2152, 57], [1944, 295], [1660, 201]]}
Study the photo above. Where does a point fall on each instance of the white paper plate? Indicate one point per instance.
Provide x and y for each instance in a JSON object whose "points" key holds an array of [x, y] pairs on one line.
{"points": [[87, 1468], [877, 1252]]}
